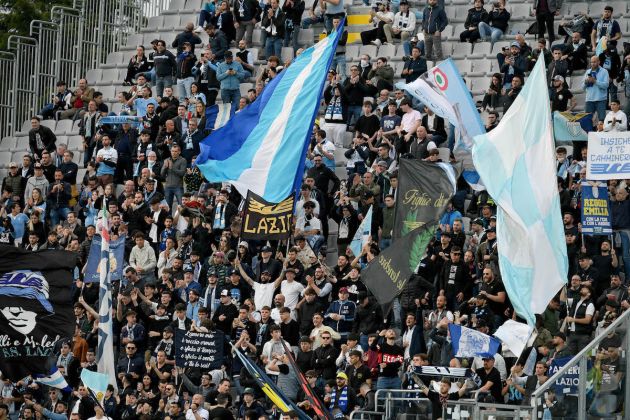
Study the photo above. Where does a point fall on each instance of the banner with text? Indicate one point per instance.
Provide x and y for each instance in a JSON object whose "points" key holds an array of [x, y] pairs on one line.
{"points": [[424, 190], [570, 381], [199, 350], [35, 309], [608, 156], [116, 258], [265, 220], [595, 210], [387, 274]]}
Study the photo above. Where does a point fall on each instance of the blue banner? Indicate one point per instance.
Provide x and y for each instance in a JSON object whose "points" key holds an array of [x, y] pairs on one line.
{"points": [[595, 210], [116, 258], [572, 126], [569, 382]]}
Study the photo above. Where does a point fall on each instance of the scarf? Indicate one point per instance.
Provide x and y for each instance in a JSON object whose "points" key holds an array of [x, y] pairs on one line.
{"points": [[342, 401], [219, 217], [334, 110]]}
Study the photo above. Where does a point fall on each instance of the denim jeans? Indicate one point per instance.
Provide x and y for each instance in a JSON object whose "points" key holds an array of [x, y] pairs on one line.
{"points": [[161, 83], [309, 21], [407, 47], [291, 38], [353, 111], [598, 107], [487, 32], [173, 192], [183, 87], [232, 96], [339, 65], [273, 46], [204, 16], [58, 214], [149, 75], [389, 383], [624, 236]]}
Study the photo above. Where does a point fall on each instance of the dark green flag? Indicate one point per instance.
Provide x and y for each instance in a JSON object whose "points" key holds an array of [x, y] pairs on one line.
{"points": [[387, 274], [424, 189]]}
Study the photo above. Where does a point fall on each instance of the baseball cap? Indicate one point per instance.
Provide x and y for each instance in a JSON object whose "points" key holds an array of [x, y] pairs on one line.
{"points": [[342, 375], [249, 391], [382, 163], [244, 244], [515, 44], [305, 339], [225, 292], [290, 270], [491, 230], [187, 232], [478, 221], [235, 271], [558, 77], [228, 53], [266, 248], [561, 335], [343, 290], [13, 165]]}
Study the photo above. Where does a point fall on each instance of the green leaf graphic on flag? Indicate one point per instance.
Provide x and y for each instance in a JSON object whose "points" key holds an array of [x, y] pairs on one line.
{"points": [[418, 247], [410, 223]]}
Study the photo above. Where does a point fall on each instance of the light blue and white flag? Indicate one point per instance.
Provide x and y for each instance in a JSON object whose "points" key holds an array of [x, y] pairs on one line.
{"points": [[530, 362], [362, 235], [443, 90], [55, 380], [514, 336], [104, 352], [95, 382], [218, 115], [467, 342], [269, 138], [516, 162]]}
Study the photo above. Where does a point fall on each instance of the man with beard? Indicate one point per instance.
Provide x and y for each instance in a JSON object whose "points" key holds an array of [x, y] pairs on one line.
{"points": [[579, 320], [454, 281], [267, 263], [606, 263], [320, 285], [135, 212], [225, 313], [263, 290], [325, 356], [306, 308]]}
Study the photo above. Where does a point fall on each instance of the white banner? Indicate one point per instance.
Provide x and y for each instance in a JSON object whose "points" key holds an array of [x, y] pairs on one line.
{"points": [[608, 156]]}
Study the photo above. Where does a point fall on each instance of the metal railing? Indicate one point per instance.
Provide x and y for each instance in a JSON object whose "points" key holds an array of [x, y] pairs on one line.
{"points": [[580, 361], [75, 40]]}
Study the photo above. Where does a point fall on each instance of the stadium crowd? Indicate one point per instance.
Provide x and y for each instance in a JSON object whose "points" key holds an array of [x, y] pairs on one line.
{"points": [[185, 267]]}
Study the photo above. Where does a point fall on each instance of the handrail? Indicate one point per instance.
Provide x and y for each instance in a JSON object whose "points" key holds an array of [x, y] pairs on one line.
{"points": [[584, 352]]}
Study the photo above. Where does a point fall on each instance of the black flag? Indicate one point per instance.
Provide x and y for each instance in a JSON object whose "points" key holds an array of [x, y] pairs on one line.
{"points": [[265, 220], [423, 192], [387, 274], [35, 308]]}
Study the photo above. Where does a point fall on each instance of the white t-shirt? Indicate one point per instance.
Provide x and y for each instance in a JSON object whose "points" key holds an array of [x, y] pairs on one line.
{"points": [[291, 292], [409, 120], [314, 223], [263, 294], [203, 413]]}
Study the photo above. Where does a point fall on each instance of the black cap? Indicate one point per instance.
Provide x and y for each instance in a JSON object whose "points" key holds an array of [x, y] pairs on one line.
{"points": [[235, 271], [353, 336], [187, 232], [491, 230], [266, 248], [228, 54], [561, 335]]}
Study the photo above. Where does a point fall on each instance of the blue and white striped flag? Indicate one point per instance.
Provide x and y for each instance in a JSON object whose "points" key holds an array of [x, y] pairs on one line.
{"points": [[516, 162], [362, 235], [269, 138], [467, 342], [105, 351], [218, 115], [55, 380]]}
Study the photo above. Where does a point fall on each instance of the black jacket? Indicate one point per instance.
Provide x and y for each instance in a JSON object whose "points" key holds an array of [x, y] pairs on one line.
{"points": [[277, 20], [368, 319], [324, 360], [165, 64], [47, 137], [185, 37]]}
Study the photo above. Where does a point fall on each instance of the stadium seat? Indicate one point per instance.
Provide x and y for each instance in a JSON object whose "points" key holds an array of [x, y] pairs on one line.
{"points": [[61, 139], [193, 5], [116, 108], [340, 159], [80, 174], [75, 143], [463, 66], [6, 158], [257, 37], [352, 53], [369, 50], [520, 11], [481, 50], [481, 68], [93, 76], [445, 154], [21, 144], [8, 144], [341, 172], [461, 50], [26, 127], [306, 37], [171, 22], [388, 51], [244, 87], [479, 85], [133, 41], [175, 6], [466, 223], [287, 54], [64, 127], [154, 24], [109, 76], [49, 123]]}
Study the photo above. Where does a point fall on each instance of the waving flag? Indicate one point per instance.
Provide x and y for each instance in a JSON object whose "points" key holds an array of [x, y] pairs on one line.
{"points": [[217, 116], [54, 380], [105, 353], [268, 139], [362, 235], [269, 387], [317, 404], [516, 162], [514, 336], [467, 342], [95, 382], [443, 90]]}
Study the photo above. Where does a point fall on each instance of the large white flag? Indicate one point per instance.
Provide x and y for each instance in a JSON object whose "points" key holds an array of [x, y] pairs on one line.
{"points": [[514, 336], [105, 351], [516, 162]]}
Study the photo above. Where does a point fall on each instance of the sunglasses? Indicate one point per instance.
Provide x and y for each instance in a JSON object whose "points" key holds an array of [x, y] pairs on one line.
{"points": [[325, 338]]}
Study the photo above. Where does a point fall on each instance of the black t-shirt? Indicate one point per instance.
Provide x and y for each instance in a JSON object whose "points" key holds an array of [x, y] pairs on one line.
{"points": [[560, 100], [437, 406], [368, 125], [494, 377], [221, 413], [494, 288], [356, 376]]}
